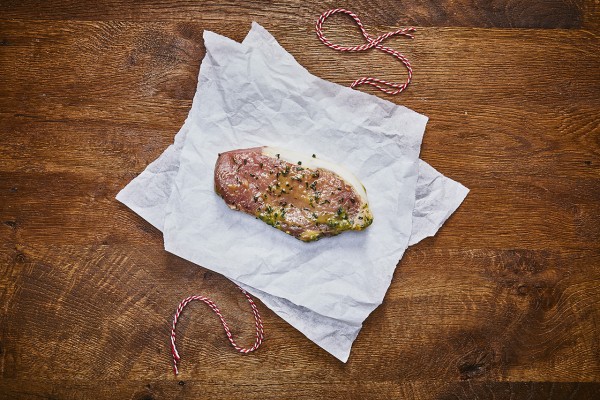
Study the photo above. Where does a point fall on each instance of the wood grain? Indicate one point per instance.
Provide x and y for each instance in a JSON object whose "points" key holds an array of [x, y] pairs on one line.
{"points": [[502, 303], [354, 391], [470, 13]]}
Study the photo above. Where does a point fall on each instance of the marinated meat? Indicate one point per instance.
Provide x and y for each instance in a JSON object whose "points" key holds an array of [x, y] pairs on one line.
{"points": [[305, 197]]}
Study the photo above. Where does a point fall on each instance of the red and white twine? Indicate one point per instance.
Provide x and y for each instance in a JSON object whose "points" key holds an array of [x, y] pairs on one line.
{"points": [[213, 306], [372, 42]]}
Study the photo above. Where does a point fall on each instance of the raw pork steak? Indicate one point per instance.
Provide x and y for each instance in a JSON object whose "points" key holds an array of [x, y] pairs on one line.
{"points": [[305, 197]]}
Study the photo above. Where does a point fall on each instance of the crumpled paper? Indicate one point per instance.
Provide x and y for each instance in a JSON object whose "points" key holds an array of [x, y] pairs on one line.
{"points": [[253, 94]]}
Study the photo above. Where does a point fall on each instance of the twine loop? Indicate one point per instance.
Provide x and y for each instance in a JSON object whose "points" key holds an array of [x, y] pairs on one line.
{"points": [[372, 42], [257, 321]]}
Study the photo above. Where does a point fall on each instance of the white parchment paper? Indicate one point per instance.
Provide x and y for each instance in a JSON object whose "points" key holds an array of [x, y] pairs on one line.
{"points": [[255, 94]]}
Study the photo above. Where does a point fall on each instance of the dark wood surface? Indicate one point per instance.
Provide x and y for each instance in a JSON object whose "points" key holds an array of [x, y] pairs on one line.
{"points": [[503, 303]]}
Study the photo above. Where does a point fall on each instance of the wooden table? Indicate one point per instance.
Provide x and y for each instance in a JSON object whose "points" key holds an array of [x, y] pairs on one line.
{"points": [[504, 302]]}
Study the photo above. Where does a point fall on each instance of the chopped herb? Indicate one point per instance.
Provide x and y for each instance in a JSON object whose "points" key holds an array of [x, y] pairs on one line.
{"points": [[313, 185], [255, 198], [299, 162], [252, 175], [275, 215], [341, 200], [352, 201], [360, 217], [315, 216], [260, 165], [339, 188], [277, 156], [316, 174], [314, 156], [269, 209], [245, 161], [299, 169]]}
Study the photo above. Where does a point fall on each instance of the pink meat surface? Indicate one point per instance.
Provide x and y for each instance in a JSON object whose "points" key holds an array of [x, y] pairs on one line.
{"points": [[306, 203]]}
